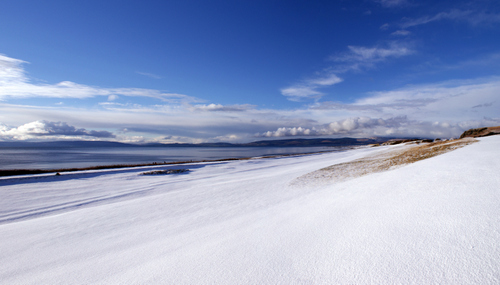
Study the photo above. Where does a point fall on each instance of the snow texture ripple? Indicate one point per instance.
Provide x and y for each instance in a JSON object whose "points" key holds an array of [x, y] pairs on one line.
{"points": [[435, 221]]}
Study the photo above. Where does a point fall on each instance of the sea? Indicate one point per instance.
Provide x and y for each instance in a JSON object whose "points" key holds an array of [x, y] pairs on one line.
{"points": [[71, 157]]}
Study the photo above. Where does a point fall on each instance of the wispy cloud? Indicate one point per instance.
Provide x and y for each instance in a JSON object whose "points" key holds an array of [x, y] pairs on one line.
{"points": [[385, 26], [222, 108], [440, 96], [365, 56], [15, 84], [470, 16], [401, 33], [485, 105], [438, 110], [359, 58], [11, 70], [380, 107], [355, 59], [392, 3], [151, 75], [443, 109], [308, 89]]}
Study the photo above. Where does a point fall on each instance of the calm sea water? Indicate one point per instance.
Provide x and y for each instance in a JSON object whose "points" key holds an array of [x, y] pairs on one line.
{"points": [[54, 158]]}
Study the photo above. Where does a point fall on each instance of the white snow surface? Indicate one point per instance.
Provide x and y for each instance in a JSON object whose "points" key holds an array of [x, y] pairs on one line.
{"points": [[436, 221]]}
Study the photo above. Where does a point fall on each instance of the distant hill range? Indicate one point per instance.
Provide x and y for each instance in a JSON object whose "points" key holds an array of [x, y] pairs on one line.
{"points": [[317, 142], [480, 132], [264, 143]]}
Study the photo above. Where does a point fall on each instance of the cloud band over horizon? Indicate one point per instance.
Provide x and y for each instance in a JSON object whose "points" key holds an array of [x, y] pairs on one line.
{"points": [[438, 110]]}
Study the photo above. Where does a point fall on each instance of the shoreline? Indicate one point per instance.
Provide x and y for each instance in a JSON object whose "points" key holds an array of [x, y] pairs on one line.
{"points": [[487, 131], [56, 171]]}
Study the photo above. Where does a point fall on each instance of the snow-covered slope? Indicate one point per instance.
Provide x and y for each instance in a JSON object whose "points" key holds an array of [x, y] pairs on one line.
{"points": [[245, 222]]}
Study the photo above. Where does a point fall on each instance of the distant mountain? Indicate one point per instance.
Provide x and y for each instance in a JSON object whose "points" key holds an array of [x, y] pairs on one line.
{"points": [[263, 143], [222, 144], [317, 142]]}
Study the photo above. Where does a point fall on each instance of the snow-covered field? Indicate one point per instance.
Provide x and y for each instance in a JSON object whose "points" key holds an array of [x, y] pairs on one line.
{"points": [[436, 221]]}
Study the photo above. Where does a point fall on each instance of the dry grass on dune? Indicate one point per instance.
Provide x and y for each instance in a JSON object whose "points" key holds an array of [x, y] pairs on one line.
{"points": [[380, 162]]}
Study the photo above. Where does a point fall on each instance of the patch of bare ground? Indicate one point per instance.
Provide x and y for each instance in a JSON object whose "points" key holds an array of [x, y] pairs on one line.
{"points": [[481, 132], [380, 162]]}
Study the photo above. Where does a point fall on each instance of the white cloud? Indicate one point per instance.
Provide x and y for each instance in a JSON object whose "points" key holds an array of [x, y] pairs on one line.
{"points": [[392, 3], [356, 58], [229, 138], [470, 16], [439, 110], [443, 109], [325, 81], [113, 97], [369, 55], [454, 100], [11, 70], [308, 89], [423, 111], [455, 97], [452, 15], [297, 93], [222, 108], [350, 126], [381, 107], [151, 75], [385, 26], [15, 84], [485, 105], [401, 33], [53, 130], [286, 132], [363, 127]]}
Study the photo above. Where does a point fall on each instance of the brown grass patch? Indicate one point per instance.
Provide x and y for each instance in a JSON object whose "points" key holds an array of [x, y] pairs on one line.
{"points": [[380, 162]]}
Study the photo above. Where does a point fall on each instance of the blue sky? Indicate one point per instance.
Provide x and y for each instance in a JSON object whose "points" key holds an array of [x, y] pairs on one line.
{"points": [[237, 71]]}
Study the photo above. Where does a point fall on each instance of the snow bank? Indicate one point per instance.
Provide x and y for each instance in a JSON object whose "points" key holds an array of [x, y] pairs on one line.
{"points": [[240, 222]]}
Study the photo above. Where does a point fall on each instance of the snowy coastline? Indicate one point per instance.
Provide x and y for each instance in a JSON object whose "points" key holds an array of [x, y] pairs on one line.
{"points": [[243, 222]]}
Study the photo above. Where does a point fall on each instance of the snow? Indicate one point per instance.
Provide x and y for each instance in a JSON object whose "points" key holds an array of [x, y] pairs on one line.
{"points": [[245, 222]]}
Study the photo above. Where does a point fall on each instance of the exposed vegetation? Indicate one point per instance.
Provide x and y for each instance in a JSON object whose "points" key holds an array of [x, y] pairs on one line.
{"points": [[382, 162], [481, 132]]}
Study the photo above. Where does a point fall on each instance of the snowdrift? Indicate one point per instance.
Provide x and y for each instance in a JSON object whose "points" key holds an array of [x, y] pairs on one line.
{"points": [[436, 220]]}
